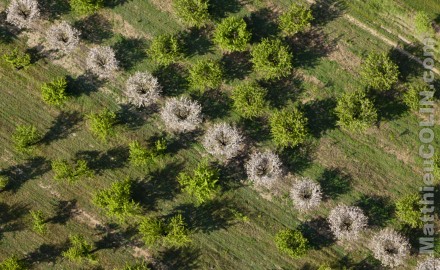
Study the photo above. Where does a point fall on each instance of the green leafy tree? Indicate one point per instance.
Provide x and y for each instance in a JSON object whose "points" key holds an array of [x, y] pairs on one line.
{"points": [[272, 59], [165, 49], [355, 111], [139, 156], [12, 263], [152, 231], [192, 12], [177, 234], [408, 210], [18, 59], [202, 184], [422, 22], [102, 124], [249, 100], [71, 173], [117, 201], [86, 7], [25, 136], [4, 181], [411, 97], [54, 93], [161, 146], [38, 221], [205, 74], [231, 34], [291, 242], [295, 20], [379, 72], [80, 250], [288, 127]]}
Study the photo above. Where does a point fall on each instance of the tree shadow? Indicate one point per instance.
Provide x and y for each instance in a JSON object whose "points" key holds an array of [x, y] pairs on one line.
{"points": [[389, 105], [325, 11], [219, 9], [18, 174], [53, 9], [282, 91], [180, 258], [46, 253], [36, 53], [413, 235], [64, 124], [334, 183], [368, 263], [379, 210], [113, 237], [408, 68], [236, 65], [111, 159], [10, 217], [262, 24], [183, 141], [318, 232], [215, 104], [174, 79], [321, 116], [114, 3], [8, 33], [94, 28], [132, 117], [83, 84], [257, 130], [64, 210], [232, 173], [298, 158], [197, 41], [129, 51]]}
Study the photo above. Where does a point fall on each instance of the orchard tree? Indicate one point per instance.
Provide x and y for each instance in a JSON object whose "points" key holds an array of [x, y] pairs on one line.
{"points": [[379, 72], [202, 183], [101, 61], [296, 19], [306, 194], [12, 263], [18, 59], [272, 59], [181, 114], [71, 173], [165, 49], [54, 92], [86, 7], [223, 141], [429, 264], [177, 234], [408, 210], [249, 100], [264, 168], [152, 231], [356, 112], [139, 155], [102, 124], [231, 35], [422, 23], [194, 13], [390, 248], [142, 89], [288, 127], [25, 136], [347, 222], [411, 97], [22, 13], [38, 222], [80, 250], [62, 37], [206, 74], [291, 242]]}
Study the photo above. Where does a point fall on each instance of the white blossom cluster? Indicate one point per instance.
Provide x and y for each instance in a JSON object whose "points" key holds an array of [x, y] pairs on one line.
{"points": [[346, 222], [142, 89], [102, 62], [22, 13], [223, 141], [181, 114], [264, 168], [62, 37], [306, 194], [390, 247], [429, 264]]}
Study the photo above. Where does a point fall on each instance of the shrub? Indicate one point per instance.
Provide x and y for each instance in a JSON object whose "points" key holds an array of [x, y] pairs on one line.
{"points": [[422, 22], [379, 72], [12, 263], [80, 250], [296, 19], [231, 34], [54, 93], [181, 114], [62, 37], [288, 127], [137, 266], [355, 111], [429, 264], [412, 96], [18, 59], [86, 7], [249, 100], [272, 59], [165, 49], [152, 231], [102, 124], [25, 136], [306, 194], [202, 184], [264, 168], [4, 181], [139, 156], [205, 74], [192, 12], [346, 222], [291, 242], [117, 201], [142, 89], [390, 248], [102, 62], [177, 234], [71, 173], [38, 222], [408, 210], [22, 13], [223, 141]]}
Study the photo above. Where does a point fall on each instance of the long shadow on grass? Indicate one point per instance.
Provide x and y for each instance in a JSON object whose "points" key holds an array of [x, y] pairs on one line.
{"points": [[64, 124], [111, 159], [262, 24], [368, 263], [94, 28], [220, 8], [53, 9], [197, 41], [236, 65], [183, 141], [31, 169], [46, 253], [379, 210], [255, 129], [282, 91], [318, 232], [113, 237], [215, 104], [325, 11], [334, 183], [180, 258], [8, 33], [131, 116], [298, 158], [64, 210], [389, 105], [130, 51], [408, 68], [10, 217], [83, 84], [321, 116], [115, 3], [174, 79]]}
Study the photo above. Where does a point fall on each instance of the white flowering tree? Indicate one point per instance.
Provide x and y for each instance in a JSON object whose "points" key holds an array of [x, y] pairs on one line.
{"points": [[264, 168], [142, 89], [346, 222], [306, 194], [429, 264], [102, 62], [62, 37], [390, 247], [22, 13], [223, 141], [181, 114]]}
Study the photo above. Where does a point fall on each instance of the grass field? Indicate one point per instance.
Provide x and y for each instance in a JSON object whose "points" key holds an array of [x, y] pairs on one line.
{"points": [[236, 230]]}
